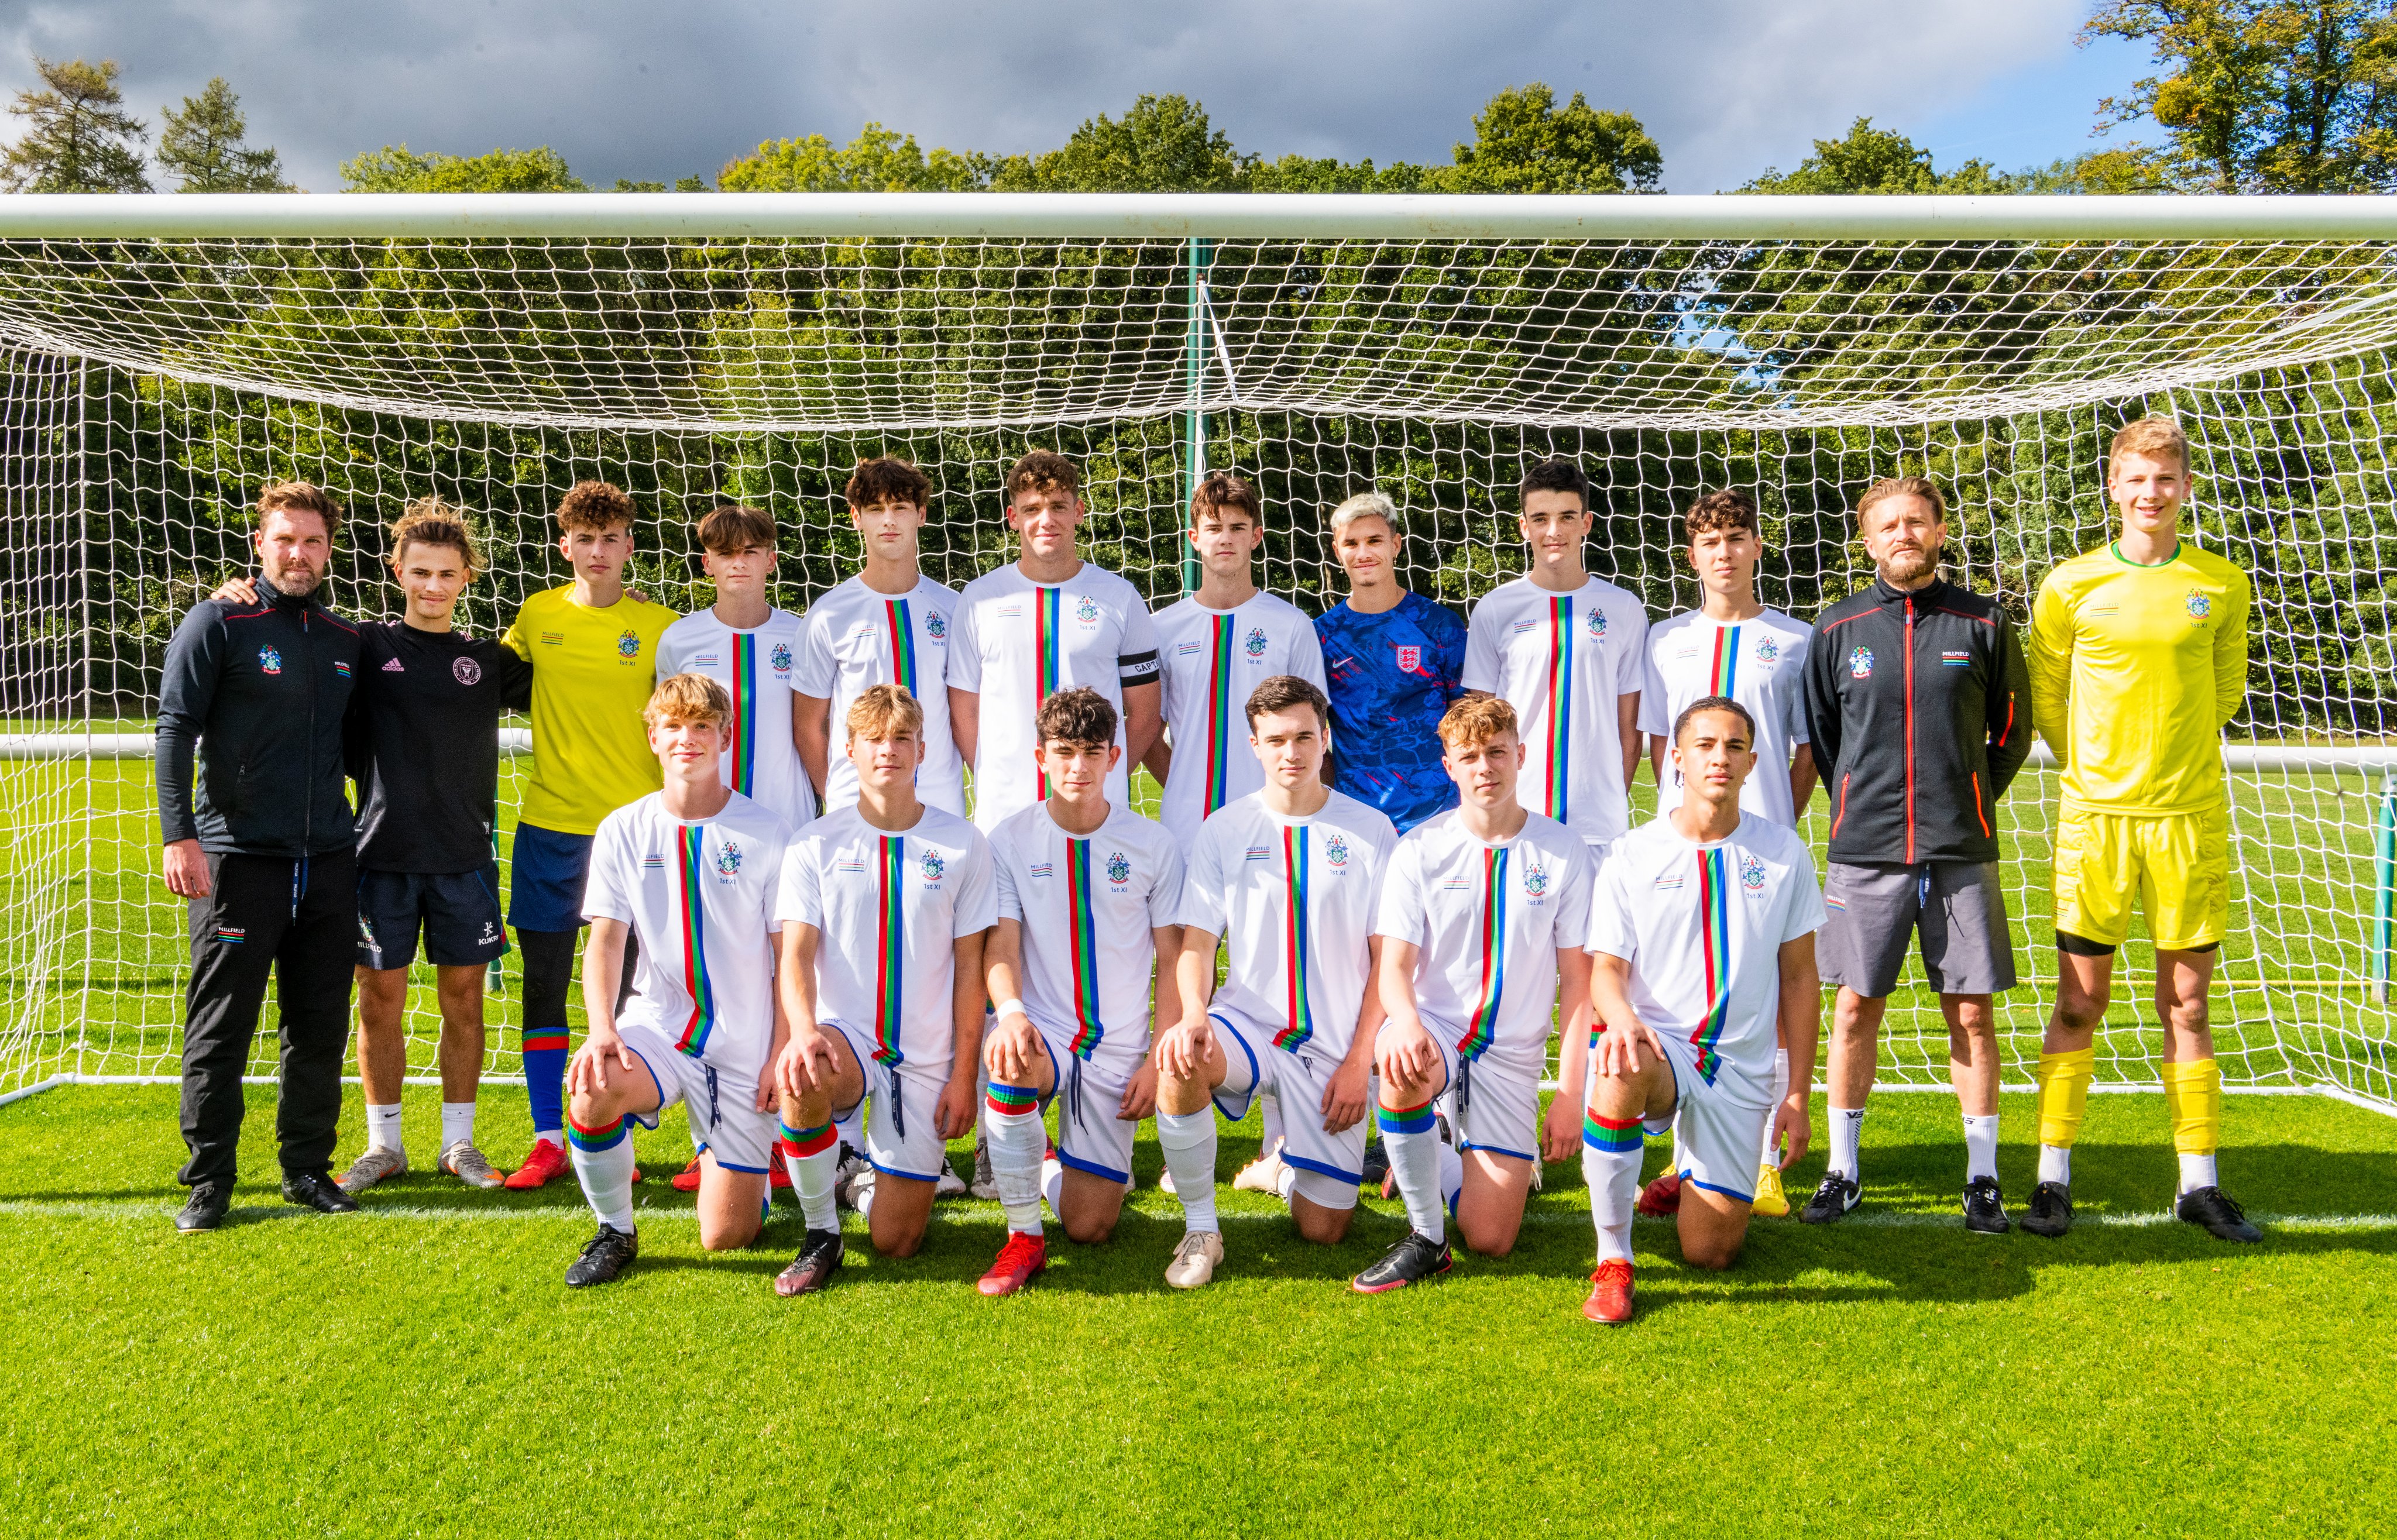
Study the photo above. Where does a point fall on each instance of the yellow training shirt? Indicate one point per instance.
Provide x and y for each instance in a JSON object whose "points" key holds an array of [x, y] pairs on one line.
{"points": [[2133, 671], [593, 671]]}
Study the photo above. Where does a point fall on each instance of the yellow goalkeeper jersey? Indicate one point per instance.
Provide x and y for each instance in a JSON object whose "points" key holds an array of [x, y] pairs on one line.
{"points": [[593, 671], [2133, 671]]}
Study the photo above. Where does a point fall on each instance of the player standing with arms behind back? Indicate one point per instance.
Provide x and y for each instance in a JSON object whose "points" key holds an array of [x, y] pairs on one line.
{"points": [[745, 644], [1918, 704], [2138, 660], [1218, 645]]}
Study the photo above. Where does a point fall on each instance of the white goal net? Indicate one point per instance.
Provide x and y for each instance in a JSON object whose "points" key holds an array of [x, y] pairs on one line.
{"points": [[157, 374]]}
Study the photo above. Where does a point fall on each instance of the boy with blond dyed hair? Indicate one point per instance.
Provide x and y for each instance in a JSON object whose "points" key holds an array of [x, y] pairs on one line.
{"points": [[2138, 660]]}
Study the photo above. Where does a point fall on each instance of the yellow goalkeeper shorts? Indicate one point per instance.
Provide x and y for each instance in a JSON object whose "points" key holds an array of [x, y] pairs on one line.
{"points": [[2177, 867]]}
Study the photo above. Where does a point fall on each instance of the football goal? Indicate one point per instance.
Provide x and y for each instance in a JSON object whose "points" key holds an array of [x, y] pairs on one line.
{"points": [[166, 356]]}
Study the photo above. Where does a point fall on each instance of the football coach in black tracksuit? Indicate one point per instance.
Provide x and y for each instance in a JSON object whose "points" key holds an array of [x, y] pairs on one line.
{"points": [[261, 846], [1917, 706]]}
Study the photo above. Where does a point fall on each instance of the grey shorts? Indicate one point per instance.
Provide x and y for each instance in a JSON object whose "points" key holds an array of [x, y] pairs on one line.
{"points": [[1874, 912]]}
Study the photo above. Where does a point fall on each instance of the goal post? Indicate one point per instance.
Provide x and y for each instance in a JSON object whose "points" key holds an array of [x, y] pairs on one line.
{"points": [[165, 355]]}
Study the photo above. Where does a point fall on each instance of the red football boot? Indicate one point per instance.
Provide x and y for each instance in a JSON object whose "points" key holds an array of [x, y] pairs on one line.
{"points": [[544, 1161], [1019, 1263], [687, 1179], [1609, 1294], [1660, 1199]]}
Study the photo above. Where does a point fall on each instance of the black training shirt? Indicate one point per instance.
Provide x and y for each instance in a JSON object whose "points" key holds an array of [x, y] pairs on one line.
{"points": [[423, 743]]}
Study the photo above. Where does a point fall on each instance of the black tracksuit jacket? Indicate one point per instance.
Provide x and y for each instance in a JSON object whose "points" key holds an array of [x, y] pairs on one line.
{"points": [[1919, 708]]}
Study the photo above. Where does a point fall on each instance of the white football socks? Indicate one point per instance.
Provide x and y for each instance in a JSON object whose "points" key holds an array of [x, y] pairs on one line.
{"points": [[1011, 1125], [2197, 1171], [1053, 1186], [1980, 1147], [1613, 1180], [603, 1163], [2056, 1164], [382, 1128], [1847, 1129], [456, 1123], [1772, 1154], [1188, 1140], [810, 1155], [1452, 1177], [1411, 1135]]}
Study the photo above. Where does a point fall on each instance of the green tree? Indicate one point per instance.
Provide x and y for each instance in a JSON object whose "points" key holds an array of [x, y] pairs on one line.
{"points": [[2263, 96], [1163, 145], [1875, 160], [81, 139], [2118, 168], [206, 146], [877, 160], [1524, 142], [397, 168]]}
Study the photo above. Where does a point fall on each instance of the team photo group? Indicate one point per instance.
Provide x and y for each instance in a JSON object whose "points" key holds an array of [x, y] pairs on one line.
{"points": [[1394, 858]]}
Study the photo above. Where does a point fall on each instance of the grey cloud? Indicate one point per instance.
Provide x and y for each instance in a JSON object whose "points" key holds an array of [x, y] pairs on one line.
{"points": [[644, 90]]}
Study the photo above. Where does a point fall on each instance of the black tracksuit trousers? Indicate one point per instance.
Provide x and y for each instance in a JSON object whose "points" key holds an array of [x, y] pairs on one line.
{"points": [[298, 920]]}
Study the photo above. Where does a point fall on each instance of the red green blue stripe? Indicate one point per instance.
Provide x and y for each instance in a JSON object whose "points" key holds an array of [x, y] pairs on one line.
{"points": [[1048, 615], [1714, 920], [798, 1143], [692, 846], [1010, 1101], [592, 1141], [903, 645], [1219, 716], [537, 1038], [1725, 672], [1297, 943], [1561, 670], [1484, 1024], [1083, 930], [741, 755], [891, 945], [1608, 1135], [1405, 1120]]}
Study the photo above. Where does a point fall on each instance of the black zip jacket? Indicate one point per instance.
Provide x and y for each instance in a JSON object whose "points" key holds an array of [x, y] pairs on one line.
{"points": [[260, 690], [1919, 708]]}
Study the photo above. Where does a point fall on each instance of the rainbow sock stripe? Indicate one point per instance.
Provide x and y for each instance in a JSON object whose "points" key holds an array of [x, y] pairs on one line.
{"points": [[1295, 941], [1609, 1136], [903, 644], [1484, 1025], [1011, 1101], [1405, 1120], [798, 1143], [740, 754], [1219, 716], [539, 1039], [1725, 670], [691, 844], [1559, 757], [1714, 919], [891, 945], [592, 1140], [1083, 932]]}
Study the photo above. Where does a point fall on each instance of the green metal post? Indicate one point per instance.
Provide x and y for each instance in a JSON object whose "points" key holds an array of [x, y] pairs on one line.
{"points": [[2384, 883], [1194, 427]]}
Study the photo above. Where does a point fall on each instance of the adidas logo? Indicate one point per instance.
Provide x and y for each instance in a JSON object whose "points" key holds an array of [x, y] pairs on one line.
{"points": [[393, 667]]}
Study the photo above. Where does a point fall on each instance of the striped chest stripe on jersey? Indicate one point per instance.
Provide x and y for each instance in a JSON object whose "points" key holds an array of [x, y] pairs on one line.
{"points": [[1295, 941], [891, 947], [691, 874], [1725, 673], [1560, 751], [1048, 609], [1082, 925], [1484, 1025], [1714, 924], [1219, 714], [741, 755], [903, 645]]}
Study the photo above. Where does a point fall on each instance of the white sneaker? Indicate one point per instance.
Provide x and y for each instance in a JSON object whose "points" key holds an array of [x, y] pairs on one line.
{"points": [[950, 1183], [986, 1185], [858, 1183], [374, 1166], [1165, 1180], [1194, 1261], [852, 1166], [1262, 1174], [467, 1163]]}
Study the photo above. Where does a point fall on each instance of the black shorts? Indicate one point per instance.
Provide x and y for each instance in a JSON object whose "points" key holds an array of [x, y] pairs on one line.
{"points": [[458, 913]]}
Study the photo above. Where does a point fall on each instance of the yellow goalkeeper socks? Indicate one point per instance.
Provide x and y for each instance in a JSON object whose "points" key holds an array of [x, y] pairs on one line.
{"points": [[2062, 1095], [2193, 1096]]}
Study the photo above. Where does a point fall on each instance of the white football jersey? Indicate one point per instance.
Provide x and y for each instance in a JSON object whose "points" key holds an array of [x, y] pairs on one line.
{"points": [[761, 761], [1088, 907], [1293, 901], [1019, 642], [1760, 663], [853, 638], [891, 908], [700, 898], [1562, 661], [1701, 927], [1214, 659], [1489, 920]]}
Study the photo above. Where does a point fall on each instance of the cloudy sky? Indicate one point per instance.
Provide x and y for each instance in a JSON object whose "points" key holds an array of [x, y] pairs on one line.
{"points": [[636, 88]]}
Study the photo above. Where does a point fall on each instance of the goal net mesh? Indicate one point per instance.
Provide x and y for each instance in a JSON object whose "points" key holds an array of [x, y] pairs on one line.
{"points": [[153, 386]]}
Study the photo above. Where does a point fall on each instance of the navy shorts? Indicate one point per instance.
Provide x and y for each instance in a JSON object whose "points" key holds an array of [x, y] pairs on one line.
{"points": [[546, 887], [458, 912]]}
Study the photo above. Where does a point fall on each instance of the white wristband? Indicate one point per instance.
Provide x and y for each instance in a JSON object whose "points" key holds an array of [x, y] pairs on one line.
{"points": [[1007, 1008]]}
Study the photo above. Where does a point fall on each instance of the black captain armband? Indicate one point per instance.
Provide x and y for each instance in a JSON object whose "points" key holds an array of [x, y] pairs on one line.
{"points": [[1137, 668]]}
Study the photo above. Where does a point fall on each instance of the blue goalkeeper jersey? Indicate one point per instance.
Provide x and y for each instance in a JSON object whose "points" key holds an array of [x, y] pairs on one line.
{"points": [[1393, 677]]}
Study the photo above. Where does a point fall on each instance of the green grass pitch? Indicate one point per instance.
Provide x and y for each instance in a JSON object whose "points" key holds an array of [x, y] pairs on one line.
{"points": [[420, 1368]]}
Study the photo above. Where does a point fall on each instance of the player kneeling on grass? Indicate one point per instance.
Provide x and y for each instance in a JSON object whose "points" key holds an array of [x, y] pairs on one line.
{"points": [[1484, 909], [1701, 927], [885, 908], [1087, 893], [690, 871], [1287, 878]]}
